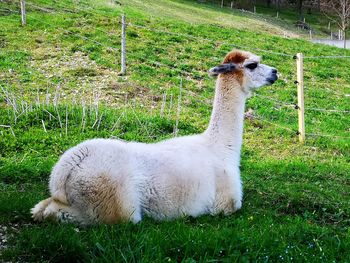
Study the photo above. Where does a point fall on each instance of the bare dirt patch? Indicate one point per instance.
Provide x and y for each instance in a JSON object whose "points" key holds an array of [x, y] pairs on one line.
{"points": [[76, 75]]}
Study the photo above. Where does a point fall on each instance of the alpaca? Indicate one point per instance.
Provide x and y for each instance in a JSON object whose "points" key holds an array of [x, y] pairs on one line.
{"points": [[111, 181]]}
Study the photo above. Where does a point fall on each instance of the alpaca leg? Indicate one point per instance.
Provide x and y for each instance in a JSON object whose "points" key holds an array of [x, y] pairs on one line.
{"points": [[113, 202], [228, 193], [237, 193]]}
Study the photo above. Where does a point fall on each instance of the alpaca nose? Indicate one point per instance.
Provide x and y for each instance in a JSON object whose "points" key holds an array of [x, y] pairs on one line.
{"points": [[273, 77]]}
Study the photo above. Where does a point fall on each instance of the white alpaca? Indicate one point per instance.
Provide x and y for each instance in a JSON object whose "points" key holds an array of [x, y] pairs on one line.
{"points": [[110, 181]]}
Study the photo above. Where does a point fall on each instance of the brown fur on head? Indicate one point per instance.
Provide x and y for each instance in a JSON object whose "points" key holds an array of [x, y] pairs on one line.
{"points": [[246, 70], [232, 65], [236, 57]]}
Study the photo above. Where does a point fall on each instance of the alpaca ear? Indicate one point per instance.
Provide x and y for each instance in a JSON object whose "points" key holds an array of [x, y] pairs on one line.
{"points": [[223, 68]]}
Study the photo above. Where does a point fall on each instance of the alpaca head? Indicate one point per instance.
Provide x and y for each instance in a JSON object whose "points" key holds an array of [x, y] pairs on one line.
{"points": [[246, 69]]}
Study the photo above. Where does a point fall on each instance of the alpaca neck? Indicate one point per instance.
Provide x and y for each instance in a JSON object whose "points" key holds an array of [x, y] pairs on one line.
{"points": [[226, 123]]}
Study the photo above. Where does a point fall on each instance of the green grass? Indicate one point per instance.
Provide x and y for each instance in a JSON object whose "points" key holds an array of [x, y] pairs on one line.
{"points": [[61, 73]]}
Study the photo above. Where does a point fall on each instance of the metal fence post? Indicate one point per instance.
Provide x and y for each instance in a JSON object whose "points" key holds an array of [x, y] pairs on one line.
{"points": [[300, 84], [176, 127], [23, 12], [123, 47]]}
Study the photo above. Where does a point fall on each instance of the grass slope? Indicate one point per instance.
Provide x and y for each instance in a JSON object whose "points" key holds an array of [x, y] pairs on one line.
{"points": [[59, 72]]}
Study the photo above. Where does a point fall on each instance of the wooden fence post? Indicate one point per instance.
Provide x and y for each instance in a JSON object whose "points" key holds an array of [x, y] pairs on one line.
{"points": [[300, 84], [123, 47], [23, 12]]}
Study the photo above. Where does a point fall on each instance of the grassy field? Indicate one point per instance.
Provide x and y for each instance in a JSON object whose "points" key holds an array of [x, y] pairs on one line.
{"points": [[59, 85]]}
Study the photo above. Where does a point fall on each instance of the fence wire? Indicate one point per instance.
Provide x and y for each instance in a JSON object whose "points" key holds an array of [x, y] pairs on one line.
{"points": [[325, 57], [209, 40], [277, 102], [327, 110], [78, 35], [82, 10]]}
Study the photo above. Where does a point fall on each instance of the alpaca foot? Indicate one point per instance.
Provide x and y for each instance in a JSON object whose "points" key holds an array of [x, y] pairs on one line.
{"points": [[232, 206], [59, 212], [38, 210], [53, 210], [237, 205]]}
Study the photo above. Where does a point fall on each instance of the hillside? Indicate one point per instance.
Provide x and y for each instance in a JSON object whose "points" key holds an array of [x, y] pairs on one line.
{"points": [[59, 85]]}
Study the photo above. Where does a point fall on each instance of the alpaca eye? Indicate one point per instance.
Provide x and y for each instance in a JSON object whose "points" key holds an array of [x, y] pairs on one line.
{"points": [[252, 66]]}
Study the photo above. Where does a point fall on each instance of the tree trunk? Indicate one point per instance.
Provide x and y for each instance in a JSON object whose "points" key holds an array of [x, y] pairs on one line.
{"points": [[344, 38], [300, 9]]}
